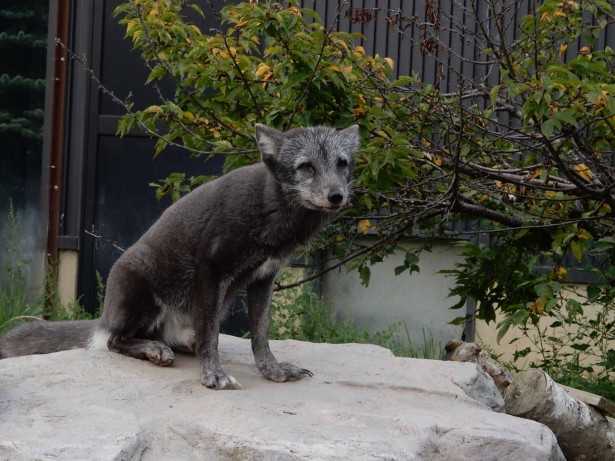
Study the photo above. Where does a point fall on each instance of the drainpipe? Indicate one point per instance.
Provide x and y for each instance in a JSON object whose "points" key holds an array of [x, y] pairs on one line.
{"points": [[58, 22], [57, 129]]}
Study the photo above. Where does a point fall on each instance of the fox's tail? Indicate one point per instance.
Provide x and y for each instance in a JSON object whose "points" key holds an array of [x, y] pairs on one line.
{"points": [[43, 337]]}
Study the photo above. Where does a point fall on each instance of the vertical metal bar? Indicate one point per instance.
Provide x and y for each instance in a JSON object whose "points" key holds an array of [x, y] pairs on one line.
{"points": [[56, 141]]}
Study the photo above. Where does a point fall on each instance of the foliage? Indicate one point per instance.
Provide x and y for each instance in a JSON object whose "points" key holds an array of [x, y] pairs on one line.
{"points": [[269, 65], [298, 313], [572, 377], [23, 30], [14, 302], [571, 328], [531, 149]]}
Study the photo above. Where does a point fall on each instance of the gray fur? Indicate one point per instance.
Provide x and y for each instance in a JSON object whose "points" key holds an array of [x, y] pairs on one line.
{"points": [[171, 288]]}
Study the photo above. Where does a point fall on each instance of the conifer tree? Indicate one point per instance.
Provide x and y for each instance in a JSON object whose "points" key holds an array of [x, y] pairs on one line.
{"points": [[23, 45]]}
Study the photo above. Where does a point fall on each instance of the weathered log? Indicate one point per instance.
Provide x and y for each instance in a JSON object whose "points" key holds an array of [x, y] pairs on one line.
{"points": [[603, 405], [582, 431]]}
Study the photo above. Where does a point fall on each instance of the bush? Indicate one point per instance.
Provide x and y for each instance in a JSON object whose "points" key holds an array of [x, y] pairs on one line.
{"points": [[571, 328], [426, 155]]}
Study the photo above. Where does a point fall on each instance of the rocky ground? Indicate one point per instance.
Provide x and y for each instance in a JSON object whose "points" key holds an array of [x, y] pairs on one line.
{"points": [[362, 403]]}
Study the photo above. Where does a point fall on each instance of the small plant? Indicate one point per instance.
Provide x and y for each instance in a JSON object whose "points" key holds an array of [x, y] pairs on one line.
{"points": [[14, 303]]}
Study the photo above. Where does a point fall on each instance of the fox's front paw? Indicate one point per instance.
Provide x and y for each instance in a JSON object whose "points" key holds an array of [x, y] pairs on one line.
{"points": [[218, 379], [282, 372], [159, 354]]}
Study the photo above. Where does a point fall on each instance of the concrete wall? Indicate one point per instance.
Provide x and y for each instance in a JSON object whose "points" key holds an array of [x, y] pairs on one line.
{"points": [[420, 300]]}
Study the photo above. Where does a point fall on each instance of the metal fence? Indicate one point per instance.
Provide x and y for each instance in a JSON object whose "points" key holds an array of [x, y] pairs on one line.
{"points": [[434, 39]]}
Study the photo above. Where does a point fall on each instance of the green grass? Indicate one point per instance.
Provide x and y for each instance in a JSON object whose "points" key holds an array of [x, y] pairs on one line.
{"points": [[600, 385], [308, 318], [16, 304]]}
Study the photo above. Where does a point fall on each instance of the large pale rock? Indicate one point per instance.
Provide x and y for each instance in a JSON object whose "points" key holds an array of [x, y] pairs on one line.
{"points": [[362, 403]]}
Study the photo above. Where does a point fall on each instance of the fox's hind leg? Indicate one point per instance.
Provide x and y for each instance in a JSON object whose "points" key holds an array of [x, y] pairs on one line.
{"points": [[156, 352], [130, 317]]}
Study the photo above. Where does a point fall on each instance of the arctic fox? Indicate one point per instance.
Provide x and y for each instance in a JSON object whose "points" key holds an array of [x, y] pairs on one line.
{"points": [[169, 290]]}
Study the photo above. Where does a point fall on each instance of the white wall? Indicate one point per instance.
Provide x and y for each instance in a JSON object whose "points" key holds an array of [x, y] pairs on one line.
{"points": [[420, 300]]}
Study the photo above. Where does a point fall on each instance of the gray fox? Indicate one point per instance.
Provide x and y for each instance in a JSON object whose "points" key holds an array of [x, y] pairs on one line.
{"points": [[169, 290]]}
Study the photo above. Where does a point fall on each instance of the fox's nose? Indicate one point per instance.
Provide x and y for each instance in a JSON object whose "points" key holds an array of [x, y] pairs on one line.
{"points": [[335, 197]]}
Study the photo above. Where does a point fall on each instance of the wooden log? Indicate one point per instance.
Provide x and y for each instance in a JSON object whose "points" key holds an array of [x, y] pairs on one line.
{"points": [[604, 405], [583, 432]]}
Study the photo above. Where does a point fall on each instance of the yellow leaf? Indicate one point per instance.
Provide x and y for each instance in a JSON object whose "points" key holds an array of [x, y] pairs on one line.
{"points": [[584, 234], [538, 306], [263, 71], [189, 116], [130, 25], [359, 111], [363, 226], [535, 173], [560, 272], [584, 171], [295, 10], [339, 42], [585, 50], [153, 110], [562, 49], [390, 62], [359, 50]]}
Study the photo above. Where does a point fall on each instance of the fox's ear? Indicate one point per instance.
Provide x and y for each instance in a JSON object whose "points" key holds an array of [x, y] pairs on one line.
{"points": [[269, 141], [351, 138]]}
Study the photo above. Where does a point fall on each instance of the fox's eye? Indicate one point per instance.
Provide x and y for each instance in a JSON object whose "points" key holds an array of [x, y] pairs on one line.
{"points": [[342, 162], [306, 167]]}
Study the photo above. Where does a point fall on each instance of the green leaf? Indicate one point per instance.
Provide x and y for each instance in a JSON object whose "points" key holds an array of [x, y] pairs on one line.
{"points": [[578, 249], [364, 274], [503, 328], [198, 9], [566, 116], [458, 321], [156, 74], [593, 292], [400, 269]]}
